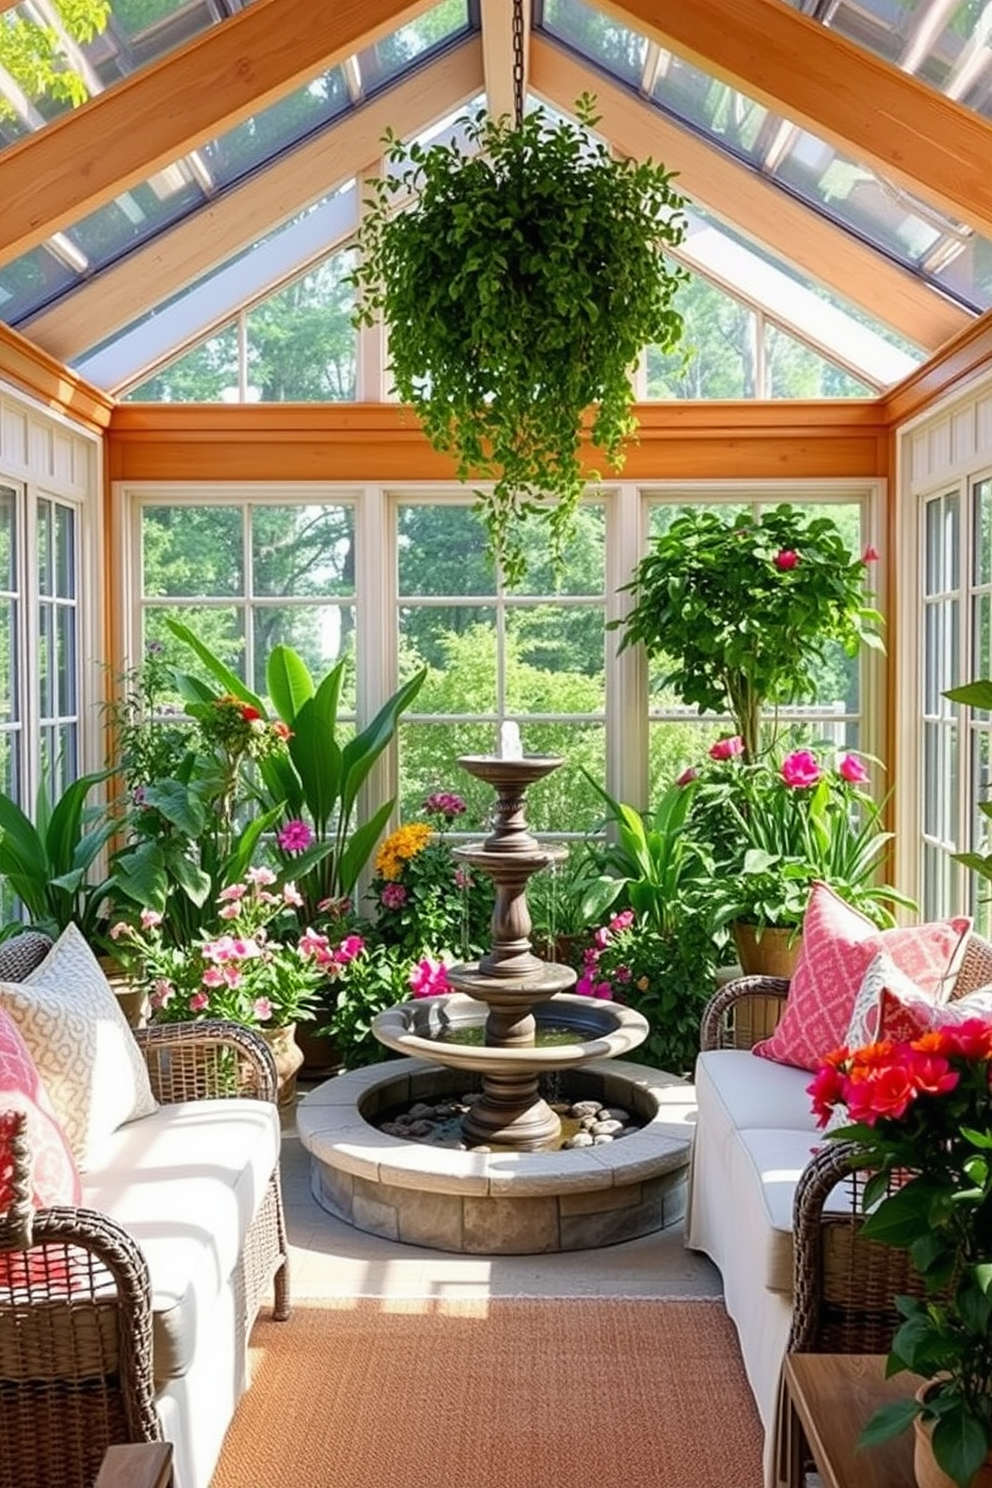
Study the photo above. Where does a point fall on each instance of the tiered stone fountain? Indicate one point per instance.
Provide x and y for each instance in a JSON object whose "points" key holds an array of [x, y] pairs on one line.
{"points": [[512, 1190]]}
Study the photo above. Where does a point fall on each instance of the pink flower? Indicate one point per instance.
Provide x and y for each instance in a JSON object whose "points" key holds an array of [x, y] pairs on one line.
{"points": [[121, 928], [444, 803], [350, 947], [336, 908], [291, 895], [213, 977], [622, 921], [727, 748], [317, 946], [429, 978], [150, 918], [463, 879], [295, 836], [198, 1002], [786, 559], [262, 1009], [162, 993], [850, 768], [232, 893], [603, 991], [393, 895], [260, 877], [229, 912], [688, 776], [800, 769], [870, 554]]}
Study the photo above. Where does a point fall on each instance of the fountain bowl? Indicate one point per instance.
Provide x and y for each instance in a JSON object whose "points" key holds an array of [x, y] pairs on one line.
{"points": [[603, 1030]]}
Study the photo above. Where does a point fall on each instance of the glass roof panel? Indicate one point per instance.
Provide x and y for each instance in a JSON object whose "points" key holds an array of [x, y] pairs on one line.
{"points": [[55, 42], [944, 43], [935, 248], [108, 234]]}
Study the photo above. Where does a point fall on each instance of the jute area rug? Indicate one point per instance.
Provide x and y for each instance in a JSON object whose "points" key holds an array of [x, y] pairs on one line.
{"points": [[496, 1393]]}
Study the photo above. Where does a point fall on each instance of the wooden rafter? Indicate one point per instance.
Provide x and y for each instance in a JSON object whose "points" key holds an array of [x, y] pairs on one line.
{"points": [[753, 204], [160, 268], [148, 120], [870, 110]]}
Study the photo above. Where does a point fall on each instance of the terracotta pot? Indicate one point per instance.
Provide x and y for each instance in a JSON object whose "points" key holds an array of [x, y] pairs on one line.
{"points": [[925, 1469], [288, 1057], [772, 951]]}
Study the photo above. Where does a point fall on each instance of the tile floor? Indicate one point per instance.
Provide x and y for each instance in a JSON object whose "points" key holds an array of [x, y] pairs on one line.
{"points": [[330, 1258]]}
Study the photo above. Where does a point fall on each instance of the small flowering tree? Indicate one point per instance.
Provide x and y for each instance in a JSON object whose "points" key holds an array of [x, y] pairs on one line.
{"points": [[739, 610]]}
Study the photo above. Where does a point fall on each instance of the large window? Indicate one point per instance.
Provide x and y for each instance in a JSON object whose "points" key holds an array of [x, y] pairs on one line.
{"points": [[534, 653]]}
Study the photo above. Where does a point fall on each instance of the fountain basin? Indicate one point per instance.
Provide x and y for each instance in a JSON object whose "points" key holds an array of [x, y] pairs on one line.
{"points": [[603, 1030], [498, 1203]]}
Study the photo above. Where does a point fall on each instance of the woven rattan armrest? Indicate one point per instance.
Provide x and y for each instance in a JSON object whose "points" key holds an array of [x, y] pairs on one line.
{"points": [[205, 1059], [844, 1284], [743, 1012]]}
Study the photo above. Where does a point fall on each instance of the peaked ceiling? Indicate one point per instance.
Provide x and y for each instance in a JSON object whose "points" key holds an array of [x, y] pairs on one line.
{"points": [[850, 144]]}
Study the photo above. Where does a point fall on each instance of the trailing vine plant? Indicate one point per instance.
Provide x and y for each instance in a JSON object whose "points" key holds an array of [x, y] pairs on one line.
{"points": [[519, 289]]}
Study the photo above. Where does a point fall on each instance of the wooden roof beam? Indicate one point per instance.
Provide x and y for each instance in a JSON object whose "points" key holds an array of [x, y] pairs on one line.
{"points": [[750, 202], [87, 157], [160, 268], [866, 108]]}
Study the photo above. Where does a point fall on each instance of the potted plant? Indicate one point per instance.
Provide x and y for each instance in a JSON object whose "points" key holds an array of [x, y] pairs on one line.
{"points": [[774, 827], [920, 1113], [519, 288], [739, 609]]}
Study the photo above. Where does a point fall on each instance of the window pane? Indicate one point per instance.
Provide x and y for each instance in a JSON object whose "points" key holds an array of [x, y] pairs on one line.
{"points": [[222, 628], [441, 551], [458, 643], [321, 635], [303, 550], [793, 370], [583, 568], [8, 539], [46, 661], [717, 357], [192, 550], [565, 801], [301, 342], [65, 552], [43, 520], [65, 669], [8, 663], [206, 374], [555, 660]]}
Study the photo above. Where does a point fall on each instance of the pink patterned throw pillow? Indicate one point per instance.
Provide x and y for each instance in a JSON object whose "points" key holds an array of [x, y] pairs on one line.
{"points": [[891, 1006], [838, 946]]}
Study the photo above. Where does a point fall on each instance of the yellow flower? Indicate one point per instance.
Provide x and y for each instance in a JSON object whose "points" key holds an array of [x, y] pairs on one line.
{"points": [[399, 847]]}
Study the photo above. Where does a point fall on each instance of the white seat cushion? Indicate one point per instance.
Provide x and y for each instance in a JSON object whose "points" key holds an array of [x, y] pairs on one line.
{"points": [[186, 1182], [736, 1090]]}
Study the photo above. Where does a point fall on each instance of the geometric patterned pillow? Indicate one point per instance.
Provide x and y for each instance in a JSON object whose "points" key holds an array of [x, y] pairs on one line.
{"points": [[55, 1179], [82, 1046], [838, 946], [890, 1006]]}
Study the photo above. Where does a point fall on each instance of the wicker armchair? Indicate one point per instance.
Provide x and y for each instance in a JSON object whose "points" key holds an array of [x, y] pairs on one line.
{"points": [[843, 1285], [76, 1369]]}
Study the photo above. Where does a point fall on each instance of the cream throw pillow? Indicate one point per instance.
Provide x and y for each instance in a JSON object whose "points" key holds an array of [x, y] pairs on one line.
{"points": [[81, 1045]]}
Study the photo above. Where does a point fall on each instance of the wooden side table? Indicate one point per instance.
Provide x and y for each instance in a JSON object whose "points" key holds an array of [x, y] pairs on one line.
{"points": [[826, 1400], [136, 1465]]}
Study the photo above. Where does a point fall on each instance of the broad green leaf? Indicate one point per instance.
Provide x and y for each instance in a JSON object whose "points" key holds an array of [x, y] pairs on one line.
{"points": [[960, 1443], [317, 757], [888, 1422], [289, 682], [360, 753], [178, 805], [230, 681], [360, 846], [976, 694]]}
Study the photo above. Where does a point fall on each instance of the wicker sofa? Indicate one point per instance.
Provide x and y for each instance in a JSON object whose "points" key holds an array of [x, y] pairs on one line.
{"points": [[778, 1210], [126, 1319]]}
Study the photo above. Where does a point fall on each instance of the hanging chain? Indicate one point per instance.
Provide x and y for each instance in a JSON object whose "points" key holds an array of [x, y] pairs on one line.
{"points": [[518, 62]]}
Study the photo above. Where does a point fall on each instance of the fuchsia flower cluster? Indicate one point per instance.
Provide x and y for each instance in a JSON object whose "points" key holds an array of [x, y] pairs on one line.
{"points": [[593, 981], [246, 971]]}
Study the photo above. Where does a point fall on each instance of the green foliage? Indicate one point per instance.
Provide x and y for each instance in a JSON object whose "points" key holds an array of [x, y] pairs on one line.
{"points": [[738, 610], [775, 827], [32, 53], [47, 862], [519, 290], [376, 979]]}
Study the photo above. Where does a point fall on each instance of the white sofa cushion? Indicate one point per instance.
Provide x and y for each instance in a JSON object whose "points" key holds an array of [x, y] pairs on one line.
{"points": [[764, 1167], [186, 1182], [736, 1090], [80, 1041]]}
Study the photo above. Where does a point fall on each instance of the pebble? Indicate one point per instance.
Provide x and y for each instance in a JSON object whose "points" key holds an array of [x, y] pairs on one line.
{"points": [[586, 1108], [606, 1128], [420, 1110], [437, 1122], [581, 1139]]}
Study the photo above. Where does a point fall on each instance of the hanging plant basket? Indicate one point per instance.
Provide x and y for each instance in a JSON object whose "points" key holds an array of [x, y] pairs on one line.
{"points": [[519, 290]]}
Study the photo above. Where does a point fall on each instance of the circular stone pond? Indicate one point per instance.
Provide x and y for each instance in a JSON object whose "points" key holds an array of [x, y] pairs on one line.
{"points": [[498, 1203]]}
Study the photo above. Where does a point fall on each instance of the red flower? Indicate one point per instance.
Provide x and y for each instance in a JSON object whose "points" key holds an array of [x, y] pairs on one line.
{"points": [[786, 559], [688, 776], [827, 1091], [282, 730], [249, 714], [850, 768], [886, 1091], [870, 554], [727, 748]]}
